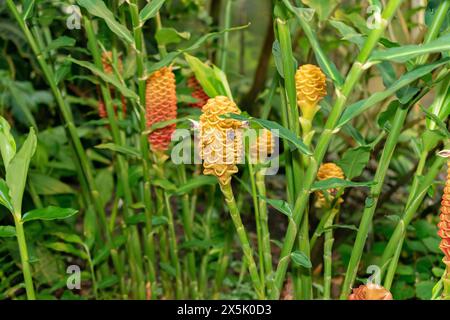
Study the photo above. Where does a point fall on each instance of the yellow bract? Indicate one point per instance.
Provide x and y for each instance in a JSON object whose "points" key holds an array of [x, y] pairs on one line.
{"points": [[220, 139]]}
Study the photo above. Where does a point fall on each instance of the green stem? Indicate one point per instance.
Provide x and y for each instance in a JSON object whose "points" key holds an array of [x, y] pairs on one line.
{"points": [[144, 145], [328, 255], [258, 222], [372, 200], [26, 270], [226, 36], [354, 75], [188, 230], [173, 248], [247, 249], [264, 223]]}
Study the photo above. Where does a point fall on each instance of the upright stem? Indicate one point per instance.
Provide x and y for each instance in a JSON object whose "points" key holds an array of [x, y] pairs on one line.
{"points": [[264, 223], [342, 95], [247, 249], [371, 202], [188, 230], [258, 222], [226, 36], [26, 270], [328, 255]]}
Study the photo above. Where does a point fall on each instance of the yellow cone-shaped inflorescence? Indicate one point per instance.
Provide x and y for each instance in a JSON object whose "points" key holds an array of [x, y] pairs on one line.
{"points": [[370, 291], [311, 87], [327, 171], [262, 147], [220, 139]]}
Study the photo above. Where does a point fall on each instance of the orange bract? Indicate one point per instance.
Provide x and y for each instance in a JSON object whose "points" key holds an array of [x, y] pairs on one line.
{"points": [[327, 171], [197, 93], [161, 105], [444, 224], [220, 139], [108, 69], [370, 291]]}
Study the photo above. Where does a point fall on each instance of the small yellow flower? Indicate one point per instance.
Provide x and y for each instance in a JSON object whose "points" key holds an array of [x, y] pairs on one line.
{"points": [[263, 147], [327, 171], [220, 139], [311, 88]]}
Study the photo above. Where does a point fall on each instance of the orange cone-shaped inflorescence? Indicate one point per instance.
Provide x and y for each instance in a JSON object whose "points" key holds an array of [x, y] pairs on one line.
{"points": [[197, 93], [444, 224], [370, 291], [161, 105], [108, 69], [220, 139], [328, 171], [311, 88]]}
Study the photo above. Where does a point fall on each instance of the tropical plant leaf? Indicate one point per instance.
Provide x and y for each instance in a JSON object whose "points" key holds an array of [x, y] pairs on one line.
{"points": [[301, 259], [354, 161], [195, 183], [7, 143], [407, 52], [7, 231], [334, 183], [150, 10], [16, 175], [109, 78], [359, 107], [5, 199], [126, 150], [278, 130], [98, 8], [49, 213]]}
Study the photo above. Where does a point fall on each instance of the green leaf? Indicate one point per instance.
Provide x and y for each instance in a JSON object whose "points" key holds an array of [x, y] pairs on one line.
{"points": [[294, 141], [168, 269], [46, 185], [150, 10], [442, 127], [406, 52], [27, 9], [196, 182], [348, 33], [5, 200], [280, 205], [16, 175], [98, 8], [207, 77], [7, 143], [109, 78], [327, 66], [68, 237], [66, 248], [60, 42], [107, 282], [359, 107], [354, 161], [424, 290], [323, 7], [7, 231], [166, 36], [49, 213], [164, 184], [300, 259], [276, 51], [126, 150], [334, 183], [168, 59]]}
